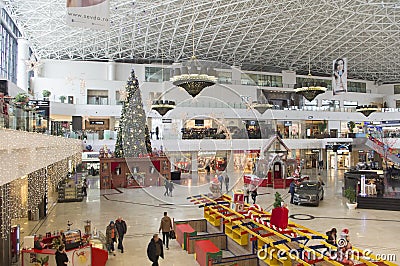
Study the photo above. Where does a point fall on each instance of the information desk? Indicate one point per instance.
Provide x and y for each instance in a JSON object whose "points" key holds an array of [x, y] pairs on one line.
{"points": [[84, 256], [183, 231], [206, 251]]}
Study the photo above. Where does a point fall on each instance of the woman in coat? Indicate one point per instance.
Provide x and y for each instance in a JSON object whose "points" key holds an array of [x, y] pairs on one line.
{"points": [[111, 237]]}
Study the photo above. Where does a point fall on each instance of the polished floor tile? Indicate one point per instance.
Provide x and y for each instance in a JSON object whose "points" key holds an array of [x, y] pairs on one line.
{"points": [[143, 208]]}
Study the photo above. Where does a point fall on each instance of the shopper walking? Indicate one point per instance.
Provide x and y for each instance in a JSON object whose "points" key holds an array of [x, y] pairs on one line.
{"points": [[292, 189], [155, 250], [165, 227], [166, 185], [226, 182], [84, 187], [246, 192], [120, 224], [220, 180], [61, 256], [111, 237], [157, 133], [254, 194], [170, 187]]}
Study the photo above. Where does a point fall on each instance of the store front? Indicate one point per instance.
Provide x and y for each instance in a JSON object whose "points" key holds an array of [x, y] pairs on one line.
{"points": [[339, 156], [289, 129], [245, 160], [91, 163]]}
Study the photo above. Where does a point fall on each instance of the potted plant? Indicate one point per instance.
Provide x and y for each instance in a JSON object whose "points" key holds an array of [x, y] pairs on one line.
{"points": [[62, 98], [351, 125], [46, 94], [280, 214], [350, 194], [21, 98]]}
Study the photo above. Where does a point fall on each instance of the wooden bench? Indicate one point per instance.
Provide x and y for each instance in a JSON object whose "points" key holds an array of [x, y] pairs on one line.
{"points": [[219, 240], [206, 252], [183, 231]]}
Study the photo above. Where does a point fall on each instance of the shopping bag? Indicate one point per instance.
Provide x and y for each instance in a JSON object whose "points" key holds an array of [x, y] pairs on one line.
{"points": [[172, 234]]}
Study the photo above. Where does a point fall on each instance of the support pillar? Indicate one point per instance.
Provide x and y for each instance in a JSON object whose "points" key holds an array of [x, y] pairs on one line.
{"points": [[336, 161], [230, 167], [194, 162], [111, 70], [23, 56]]}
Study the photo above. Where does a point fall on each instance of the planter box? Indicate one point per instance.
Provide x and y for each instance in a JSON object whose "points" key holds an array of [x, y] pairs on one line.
{"points": [[280, 217]]}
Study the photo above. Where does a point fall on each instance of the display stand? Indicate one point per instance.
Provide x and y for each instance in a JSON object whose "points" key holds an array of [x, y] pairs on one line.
{"points": [[34, 257], [68, 191]]}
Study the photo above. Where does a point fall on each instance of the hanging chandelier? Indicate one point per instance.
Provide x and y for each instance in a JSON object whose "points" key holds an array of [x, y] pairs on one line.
{"points": [[367, 109], [163, 106], [310, 87], [193, 75], [261, 107]]}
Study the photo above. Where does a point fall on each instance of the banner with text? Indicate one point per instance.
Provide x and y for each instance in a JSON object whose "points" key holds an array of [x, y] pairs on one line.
{"points": [[339, 80], [94, 14]]}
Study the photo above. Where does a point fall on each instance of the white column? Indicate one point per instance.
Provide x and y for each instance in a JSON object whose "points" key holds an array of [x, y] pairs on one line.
{"points": [[230, 167], [172, 160], [23, 56], [336, 161], [111, 70], [194, 162]]}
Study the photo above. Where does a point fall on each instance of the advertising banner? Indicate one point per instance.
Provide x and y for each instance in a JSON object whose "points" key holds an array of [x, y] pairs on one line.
{"points": [[339, 79], [94, 14]]}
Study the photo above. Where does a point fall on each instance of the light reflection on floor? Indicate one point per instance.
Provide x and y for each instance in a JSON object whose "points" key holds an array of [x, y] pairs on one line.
{"points": [[143, 208]]}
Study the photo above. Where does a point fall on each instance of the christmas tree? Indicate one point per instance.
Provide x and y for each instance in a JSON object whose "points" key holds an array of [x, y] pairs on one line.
{"points": [[278, 200], [133, 139]]}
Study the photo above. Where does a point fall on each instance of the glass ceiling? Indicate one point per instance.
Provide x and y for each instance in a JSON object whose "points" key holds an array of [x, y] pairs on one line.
{"points": [[265, 35]]}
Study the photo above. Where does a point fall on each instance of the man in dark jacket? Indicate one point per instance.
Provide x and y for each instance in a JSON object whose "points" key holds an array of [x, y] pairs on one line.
{"points": [[121, 228], [61, 257], [292, 190], [155, 250]]}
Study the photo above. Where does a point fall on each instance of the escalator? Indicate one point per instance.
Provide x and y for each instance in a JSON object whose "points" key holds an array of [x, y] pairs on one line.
{"points": [[379, 147]]}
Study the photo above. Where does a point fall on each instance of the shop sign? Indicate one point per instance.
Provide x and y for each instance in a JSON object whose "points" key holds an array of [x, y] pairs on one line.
{"points": [[166, 120], [287, 123], [207, 153], [42, 107], [96, 122], [90, 156], [391, 122]]}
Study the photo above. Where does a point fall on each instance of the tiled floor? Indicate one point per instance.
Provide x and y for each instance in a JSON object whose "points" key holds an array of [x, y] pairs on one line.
{"points": [[143, 208]]}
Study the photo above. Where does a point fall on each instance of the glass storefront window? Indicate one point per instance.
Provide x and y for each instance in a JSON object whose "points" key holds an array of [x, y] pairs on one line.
{"points": [[328, 104], [397, 89], [360, 87], [97, 97], [156, 74], [224, 77], [8, 47], [262, 80]]}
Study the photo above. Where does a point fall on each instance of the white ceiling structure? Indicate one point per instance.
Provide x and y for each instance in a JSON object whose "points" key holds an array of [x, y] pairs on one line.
{"points": [[266, 35]]}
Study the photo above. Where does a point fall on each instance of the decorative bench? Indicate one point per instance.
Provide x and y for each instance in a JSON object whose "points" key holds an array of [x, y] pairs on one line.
{"points": [[206, 252]]}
